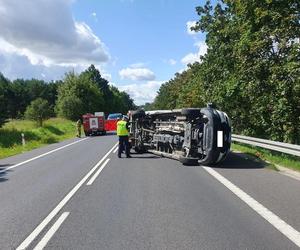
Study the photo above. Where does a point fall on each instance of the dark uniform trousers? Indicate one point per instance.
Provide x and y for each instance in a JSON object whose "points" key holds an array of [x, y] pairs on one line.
{"points": [[123, 144]]}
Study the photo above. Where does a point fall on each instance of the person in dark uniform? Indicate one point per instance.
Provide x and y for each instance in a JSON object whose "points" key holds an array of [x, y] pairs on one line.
{"points": [[123, 133], [78, 125]]}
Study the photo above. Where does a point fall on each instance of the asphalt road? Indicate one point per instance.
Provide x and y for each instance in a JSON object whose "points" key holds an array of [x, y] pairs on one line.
{"points": [[145, 202]]}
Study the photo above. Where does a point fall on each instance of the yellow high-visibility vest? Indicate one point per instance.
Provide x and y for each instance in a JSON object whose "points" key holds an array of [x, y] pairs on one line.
{"points": [[121, 128]]}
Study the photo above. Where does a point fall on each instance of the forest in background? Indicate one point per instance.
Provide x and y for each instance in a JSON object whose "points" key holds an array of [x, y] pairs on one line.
{"points": [[74, 95], [251, 69]]}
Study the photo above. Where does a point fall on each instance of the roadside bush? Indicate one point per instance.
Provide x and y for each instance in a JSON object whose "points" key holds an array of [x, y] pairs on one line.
{"points": [[39, 110]]}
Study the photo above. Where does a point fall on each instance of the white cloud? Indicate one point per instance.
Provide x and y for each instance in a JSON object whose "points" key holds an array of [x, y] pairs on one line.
{"points": [[46, 33], [190, 58], [137, 74], [182, 70], [195, 57], [189, 25], [142, 93], [17, 66], [94, 15], [172, 61], [137, 65], [106, 76]]}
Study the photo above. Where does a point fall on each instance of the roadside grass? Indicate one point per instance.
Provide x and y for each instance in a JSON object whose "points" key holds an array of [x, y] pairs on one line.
{"points": [[53, 130], [275, 158]]}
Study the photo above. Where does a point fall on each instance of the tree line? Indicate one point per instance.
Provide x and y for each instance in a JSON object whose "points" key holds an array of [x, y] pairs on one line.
{"points": [[251, 69], [74, 95]]}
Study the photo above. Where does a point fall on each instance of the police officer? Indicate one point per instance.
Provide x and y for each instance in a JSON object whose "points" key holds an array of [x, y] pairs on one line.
{"points": [[78, 125], [122, 132]]}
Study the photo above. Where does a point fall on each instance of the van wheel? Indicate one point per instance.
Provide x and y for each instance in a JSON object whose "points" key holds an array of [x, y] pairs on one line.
{"points": [[139, 150], [188, 161]]}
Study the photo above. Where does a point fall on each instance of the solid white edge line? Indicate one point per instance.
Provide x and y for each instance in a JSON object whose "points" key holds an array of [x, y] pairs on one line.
{"points": [[60, 205], [290, 175], [51, 231], [42, 155], [115, 150], [290, 232], [93, 178]]}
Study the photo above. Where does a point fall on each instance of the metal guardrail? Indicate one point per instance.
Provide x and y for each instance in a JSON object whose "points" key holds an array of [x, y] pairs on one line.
{"points": [[282, 147]]}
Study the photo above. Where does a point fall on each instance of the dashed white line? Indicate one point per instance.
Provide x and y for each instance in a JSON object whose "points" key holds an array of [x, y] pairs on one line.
{"points": [[115, 150], [42, 155], [90, 182], [51, 231], [290, 232], [60, 205]]}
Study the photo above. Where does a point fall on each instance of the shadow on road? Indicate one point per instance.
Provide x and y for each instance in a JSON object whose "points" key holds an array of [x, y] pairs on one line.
{"points": [[3, 175], [233, 161], [144, 156], [108, 133], [4, 166], [241, 161], [3, 179], [111, 133]]}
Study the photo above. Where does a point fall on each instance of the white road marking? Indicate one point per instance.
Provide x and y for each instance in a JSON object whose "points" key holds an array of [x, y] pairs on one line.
{"points": [[268, 215], [61, 204], [115, 150], [39, 156], [290, 175], [97, 173], [51, 231], [288, 172]]}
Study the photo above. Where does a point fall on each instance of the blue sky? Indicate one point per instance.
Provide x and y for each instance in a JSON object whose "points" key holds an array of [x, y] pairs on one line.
{"points": [[136, 44]]}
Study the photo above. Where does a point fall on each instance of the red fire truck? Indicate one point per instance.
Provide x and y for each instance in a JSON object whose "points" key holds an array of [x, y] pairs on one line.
{"points": [[94, 124]]}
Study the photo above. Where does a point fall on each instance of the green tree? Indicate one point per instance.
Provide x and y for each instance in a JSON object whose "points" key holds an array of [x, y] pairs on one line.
{"points": [[94, 76], [78, 95], [121, 101], [167, 95], [253, 61], [22, 92], [126, 103], [18, 98], [251, 69], [4, 85], [38, 110], [147, 106], [71, 107]]}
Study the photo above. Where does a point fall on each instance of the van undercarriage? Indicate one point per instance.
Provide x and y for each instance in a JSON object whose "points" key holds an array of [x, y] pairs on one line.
{"points": [[192, 136]]}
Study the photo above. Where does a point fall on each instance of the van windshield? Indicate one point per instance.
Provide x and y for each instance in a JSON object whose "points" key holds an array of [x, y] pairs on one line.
{"points": [[114, 116]]}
